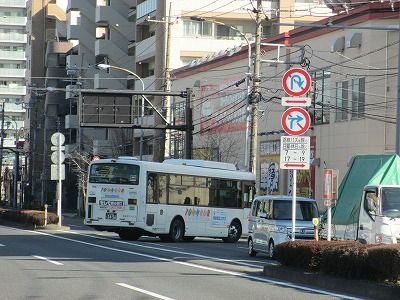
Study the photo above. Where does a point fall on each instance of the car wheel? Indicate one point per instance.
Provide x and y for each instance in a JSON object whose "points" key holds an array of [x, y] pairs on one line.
{"points": [[271, 249], [234, 233], [252, 253]]}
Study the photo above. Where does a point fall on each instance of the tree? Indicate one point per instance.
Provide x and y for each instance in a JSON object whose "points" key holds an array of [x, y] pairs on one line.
{"points": [[221, 146]]}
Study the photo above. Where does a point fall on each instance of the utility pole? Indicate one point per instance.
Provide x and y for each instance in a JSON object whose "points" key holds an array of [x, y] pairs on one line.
{"points": [[189, 125], [1, 148], [167, 84], [255, 97]]}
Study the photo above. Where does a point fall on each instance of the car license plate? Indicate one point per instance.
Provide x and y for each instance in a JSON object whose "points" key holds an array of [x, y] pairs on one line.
{"points": [[111, 216]]}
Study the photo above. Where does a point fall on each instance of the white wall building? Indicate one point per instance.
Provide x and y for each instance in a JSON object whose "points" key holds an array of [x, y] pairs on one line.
{"points": [[354, 97], [13, 39]]}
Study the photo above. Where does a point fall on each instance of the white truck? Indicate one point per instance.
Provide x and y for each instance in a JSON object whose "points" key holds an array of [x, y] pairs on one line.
{"points": [[368, 205]]}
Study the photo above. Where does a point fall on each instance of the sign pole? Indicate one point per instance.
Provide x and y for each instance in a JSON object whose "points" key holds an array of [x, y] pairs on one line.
{"points": [[329, 222], [294, 205], [59, 181]]}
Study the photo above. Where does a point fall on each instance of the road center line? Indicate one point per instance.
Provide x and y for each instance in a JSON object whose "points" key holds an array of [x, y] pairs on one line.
{"points": [[144, 291], [221, 271], [48, 260]]}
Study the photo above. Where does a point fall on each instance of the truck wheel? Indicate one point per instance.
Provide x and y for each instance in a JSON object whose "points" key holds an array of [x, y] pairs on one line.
{"points": [[234, 232]]}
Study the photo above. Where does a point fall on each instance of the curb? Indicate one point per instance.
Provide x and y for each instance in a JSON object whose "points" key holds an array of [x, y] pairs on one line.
{"points": [[360, 288], [32, 226]]}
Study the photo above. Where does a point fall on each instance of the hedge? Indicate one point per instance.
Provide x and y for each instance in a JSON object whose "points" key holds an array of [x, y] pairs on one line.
{"points": [[33, 217], [343, 258]]}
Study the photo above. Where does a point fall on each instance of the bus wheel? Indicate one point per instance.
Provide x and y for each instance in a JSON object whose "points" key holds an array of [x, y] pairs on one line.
{"points": [[234, 232], [129, 235], [176, 231], [188, 238]]}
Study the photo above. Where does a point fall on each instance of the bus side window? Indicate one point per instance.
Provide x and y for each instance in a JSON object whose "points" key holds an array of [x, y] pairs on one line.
{"points": [[162, 189], [151, 191]]}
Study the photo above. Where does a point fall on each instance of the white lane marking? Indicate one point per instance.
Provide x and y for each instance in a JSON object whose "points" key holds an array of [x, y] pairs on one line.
{"points": [[237, 274], [48, 260], [144, 291], [231, 261], [1, 245]]}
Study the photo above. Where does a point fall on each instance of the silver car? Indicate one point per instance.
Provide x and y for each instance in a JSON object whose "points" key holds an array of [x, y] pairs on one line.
{"points": [[270, 222]]}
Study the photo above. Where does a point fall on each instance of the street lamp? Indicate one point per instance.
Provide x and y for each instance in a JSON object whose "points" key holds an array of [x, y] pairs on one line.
{"points": [[248, 74], [106, 66]]}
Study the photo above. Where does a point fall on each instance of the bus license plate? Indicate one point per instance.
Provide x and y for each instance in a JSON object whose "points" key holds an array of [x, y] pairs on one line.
{"points": [[111, 216]]}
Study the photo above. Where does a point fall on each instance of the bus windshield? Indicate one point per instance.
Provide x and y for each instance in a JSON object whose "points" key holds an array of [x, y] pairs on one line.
{"points": [[114, 173], [305, 211], [391, 202]]}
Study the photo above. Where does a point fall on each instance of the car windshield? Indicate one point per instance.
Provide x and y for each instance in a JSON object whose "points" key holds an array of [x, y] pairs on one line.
{"points": [[391, 202], [114, 174], [305, 210]]}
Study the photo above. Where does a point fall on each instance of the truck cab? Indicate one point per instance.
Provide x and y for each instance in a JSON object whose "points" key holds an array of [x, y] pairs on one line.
{"points": [[379, 218]]}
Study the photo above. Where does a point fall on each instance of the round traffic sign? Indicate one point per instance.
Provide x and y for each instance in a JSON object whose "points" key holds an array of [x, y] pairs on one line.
{"points": [[55, 136], [296, 82], [55, 155], [295, 121]]}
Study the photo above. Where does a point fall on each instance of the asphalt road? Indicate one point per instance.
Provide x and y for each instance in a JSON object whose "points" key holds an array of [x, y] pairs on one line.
{"points": [[86, 264]]}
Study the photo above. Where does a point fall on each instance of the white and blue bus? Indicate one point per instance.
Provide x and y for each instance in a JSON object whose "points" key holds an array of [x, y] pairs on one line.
{"points": [[175, 200]]}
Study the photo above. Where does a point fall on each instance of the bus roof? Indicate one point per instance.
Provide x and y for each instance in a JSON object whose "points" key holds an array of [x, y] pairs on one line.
{"points": [[185, 167]]}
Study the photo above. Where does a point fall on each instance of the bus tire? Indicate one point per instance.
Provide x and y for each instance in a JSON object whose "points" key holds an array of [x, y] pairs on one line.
{"points": [[176, 231], [234, 232], [129, 235]]}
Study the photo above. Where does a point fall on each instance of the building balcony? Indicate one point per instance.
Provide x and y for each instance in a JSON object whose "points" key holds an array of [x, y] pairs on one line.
{"points": [[12, 55], [73, 61], [107, 81], [53, 10], [18, 21], [146, 48], [7, 72], [13, 38], [146, 8], [14, 107], [13, 3], [71, 121], [13, 90]]}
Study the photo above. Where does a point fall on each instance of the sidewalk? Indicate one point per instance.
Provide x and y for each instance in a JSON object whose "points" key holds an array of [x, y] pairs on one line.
{"points": [[358, 288]]}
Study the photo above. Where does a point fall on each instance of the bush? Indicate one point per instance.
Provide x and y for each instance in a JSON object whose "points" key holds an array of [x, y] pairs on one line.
{"points": [[347, 260], [343, 258], [385, 261], [305, 254], [33, 217]]}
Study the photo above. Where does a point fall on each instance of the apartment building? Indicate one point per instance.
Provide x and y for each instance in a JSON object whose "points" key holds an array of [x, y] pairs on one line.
{"points": [[13, 39], [354, 97]]}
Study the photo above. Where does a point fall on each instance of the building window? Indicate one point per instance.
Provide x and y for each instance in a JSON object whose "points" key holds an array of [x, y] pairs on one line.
{"points": [[357, 98], [321, 103], [197, 28], [342, 99]]}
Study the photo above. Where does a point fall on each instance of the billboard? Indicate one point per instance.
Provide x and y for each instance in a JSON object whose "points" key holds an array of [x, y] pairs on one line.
{"points": [[108, 110]]}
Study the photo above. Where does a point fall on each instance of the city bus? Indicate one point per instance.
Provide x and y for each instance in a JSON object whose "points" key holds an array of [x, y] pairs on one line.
{"points": [[176, 200]]}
